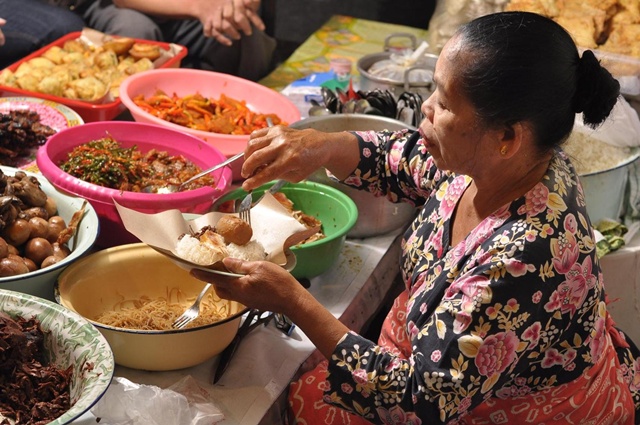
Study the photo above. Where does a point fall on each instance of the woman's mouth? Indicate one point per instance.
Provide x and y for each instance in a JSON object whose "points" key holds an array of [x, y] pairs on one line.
{"points": [[427, 142]]}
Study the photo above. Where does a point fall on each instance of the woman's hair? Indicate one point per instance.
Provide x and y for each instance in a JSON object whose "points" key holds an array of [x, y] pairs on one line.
{"points": [[525, 67]]}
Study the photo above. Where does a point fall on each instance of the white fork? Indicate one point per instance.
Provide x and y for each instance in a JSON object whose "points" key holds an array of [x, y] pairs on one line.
{"points": [[192, 312]]}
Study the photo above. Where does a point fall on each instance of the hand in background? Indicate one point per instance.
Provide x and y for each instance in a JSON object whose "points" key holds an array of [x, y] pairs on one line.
{"points": [[228, 20], [2, 39], [245, 14]]}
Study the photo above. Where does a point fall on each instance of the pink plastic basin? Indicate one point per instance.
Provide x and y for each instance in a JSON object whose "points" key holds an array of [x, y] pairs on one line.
{"points": [[183, 82], [145, 137]]}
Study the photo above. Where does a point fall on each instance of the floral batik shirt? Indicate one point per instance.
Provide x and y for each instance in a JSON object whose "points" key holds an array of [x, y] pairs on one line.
{"points": [[508, 326]]}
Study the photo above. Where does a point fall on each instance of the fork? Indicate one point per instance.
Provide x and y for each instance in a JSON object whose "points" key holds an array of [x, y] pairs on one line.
{"points": [[192, 312], [244, 211]]}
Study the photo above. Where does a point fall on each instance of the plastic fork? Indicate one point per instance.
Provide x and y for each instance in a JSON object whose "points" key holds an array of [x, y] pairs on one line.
{"points": [[192, 312]]}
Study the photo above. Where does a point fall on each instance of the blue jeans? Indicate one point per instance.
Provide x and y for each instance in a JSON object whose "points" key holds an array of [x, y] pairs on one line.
{"points": [[32, 24]]}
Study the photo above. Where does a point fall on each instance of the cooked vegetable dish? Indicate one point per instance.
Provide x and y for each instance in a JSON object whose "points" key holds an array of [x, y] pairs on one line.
{"points": [[225, 115], [106, 163]]}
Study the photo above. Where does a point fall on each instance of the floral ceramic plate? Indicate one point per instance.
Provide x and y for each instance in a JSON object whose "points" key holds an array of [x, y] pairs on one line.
{"points": [[52, 114], [70, 340], [55, 115]]}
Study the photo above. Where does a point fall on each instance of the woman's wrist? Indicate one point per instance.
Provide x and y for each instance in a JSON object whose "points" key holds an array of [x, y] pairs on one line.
{"points": [[344, 154]]}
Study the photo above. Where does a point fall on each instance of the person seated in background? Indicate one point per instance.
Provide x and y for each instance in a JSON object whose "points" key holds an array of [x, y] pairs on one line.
{"points": [[28, 25], [220, 35], [504, 315]]}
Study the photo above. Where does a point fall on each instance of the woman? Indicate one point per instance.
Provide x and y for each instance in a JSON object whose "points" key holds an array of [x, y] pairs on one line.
{"points": [[504, 318]]}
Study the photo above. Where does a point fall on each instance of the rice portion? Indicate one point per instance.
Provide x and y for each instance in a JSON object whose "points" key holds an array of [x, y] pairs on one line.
{"points": [[191, 249], [252, 251], [590, 155]]}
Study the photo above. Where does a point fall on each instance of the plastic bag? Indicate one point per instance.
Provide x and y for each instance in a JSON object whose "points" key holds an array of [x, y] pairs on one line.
{"points": [[450, 14], [393, 69], [127, 403]]}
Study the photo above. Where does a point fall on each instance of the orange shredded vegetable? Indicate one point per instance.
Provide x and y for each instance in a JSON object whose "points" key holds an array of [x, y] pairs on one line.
{"points": [[225, 115]]}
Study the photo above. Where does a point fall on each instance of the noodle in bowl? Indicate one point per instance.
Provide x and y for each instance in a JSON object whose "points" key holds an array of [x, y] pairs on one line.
{"points": [[123, 276]]}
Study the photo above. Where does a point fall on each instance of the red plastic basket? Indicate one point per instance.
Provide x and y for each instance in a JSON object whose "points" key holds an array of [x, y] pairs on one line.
{"points": [[88, 111]]}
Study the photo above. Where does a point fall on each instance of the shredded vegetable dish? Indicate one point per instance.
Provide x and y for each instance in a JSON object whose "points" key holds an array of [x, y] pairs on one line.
{"points": [[106, 163], [225, 115]]}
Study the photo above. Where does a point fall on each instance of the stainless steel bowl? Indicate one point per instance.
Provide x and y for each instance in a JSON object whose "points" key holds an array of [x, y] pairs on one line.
{"points": [[376, 216]]}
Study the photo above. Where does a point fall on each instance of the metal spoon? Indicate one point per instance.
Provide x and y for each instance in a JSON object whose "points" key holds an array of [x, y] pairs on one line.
{"points": [[172, 188]]}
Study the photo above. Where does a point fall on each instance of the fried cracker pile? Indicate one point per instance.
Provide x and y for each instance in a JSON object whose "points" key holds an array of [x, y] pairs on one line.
{"points": [[77, 70], [607, 25]]}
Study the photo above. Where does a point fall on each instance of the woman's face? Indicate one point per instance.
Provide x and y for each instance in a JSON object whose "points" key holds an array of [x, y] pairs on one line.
{"points": [[451, 130]]}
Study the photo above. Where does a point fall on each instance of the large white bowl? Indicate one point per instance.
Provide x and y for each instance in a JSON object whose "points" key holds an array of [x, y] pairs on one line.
{"points": [[99, 281], [70, 340], [40, 282]]}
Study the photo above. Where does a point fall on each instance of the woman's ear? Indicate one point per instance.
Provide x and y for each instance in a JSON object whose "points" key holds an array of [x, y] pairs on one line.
{"points": [[512, 138]]}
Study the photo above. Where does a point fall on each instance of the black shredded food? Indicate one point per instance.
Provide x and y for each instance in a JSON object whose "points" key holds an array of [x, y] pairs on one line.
{"points": [[33, 392], [20, 132]]}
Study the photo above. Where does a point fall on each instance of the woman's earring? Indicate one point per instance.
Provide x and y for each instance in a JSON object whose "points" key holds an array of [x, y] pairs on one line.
{"points": [[503, 150]]}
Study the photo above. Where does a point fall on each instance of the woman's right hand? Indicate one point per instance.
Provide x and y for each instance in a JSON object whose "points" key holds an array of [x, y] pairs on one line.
{"points": [[281, 152]]}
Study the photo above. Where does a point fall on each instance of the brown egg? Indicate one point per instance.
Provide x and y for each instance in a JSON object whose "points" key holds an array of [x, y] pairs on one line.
{"points": [[37, 249], [12, 266], [234, 230], [17, 232]]}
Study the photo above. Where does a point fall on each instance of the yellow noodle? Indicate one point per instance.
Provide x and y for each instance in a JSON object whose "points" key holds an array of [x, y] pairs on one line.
{"points": [[144, 313]]}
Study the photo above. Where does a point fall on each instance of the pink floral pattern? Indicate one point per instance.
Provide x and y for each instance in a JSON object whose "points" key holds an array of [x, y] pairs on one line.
{"points": [[515, 311]]}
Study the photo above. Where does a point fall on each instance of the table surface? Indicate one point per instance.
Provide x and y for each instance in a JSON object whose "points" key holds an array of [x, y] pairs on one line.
{"points": [[267, 360], [340, 37], [253, 389]]}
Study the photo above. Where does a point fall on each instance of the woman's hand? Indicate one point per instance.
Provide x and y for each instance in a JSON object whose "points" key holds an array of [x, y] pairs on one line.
{"points": [[281, 152], [265, 285], [268, 287]]}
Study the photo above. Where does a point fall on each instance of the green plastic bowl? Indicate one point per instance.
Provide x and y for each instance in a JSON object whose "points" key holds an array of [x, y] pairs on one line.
{"points": [[336, 211]]}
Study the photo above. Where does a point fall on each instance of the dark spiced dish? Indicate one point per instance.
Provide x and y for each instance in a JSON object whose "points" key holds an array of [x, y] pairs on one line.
{"points": [[34, 392]]}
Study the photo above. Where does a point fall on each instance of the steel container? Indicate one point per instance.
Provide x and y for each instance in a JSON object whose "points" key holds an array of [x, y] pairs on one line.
{"points": [[376, 215]]}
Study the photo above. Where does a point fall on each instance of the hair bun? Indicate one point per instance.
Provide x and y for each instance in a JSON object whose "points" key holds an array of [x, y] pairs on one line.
{"points": [[596, 90]]}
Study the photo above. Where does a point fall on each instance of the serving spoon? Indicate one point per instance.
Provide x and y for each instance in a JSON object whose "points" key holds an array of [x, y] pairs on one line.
{"points": [[172, 188]]}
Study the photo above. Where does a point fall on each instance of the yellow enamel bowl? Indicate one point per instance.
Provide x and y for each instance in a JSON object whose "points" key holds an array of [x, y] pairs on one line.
{"points": [[103, 279]]}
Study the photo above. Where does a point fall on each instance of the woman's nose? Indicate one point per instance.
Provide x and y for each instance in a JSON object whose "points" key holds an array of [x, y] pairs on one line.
{"points": [[427, 108]]}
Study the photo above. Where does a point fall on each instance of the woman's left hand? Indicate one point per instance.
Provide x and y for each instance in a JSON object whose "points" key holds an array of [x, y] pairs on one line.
{"points": [[264, 285]]}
